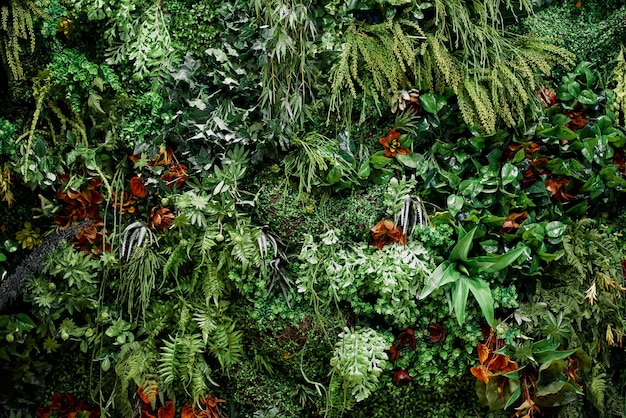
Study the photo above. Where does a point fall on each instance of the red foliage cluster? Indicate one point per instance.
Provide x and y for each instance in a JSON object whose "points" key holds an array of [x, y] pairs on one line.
{"points": [[406, 339], [207, 408], [160, 219], [513, 222], [491, 363], [148, 396], [67, 407], [385, 232], [79, 205]]}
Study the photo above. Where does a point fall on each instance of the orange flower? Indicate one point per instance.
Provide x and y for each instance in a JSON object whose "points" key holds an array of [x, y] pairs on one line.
{"points": [[391, 144], [137, 187], [491, 364], [167, 410], [177, 173], [385, 232]]}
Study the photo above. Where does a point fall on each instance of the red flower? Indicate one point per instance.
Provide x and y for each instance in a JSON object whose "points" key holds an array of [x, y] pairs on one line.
{"points": [[160, 219], [556, 186], [401, 376], [391, 144], [513, 222], [385, 232], [137, 187], [407, 339], [393, 353], [436, 333]]}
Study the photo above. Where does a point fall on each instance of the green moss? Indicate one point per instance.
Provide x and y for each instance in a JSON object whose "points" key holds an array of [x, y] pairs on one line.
{"points": [[290, 215], [593, 32]]}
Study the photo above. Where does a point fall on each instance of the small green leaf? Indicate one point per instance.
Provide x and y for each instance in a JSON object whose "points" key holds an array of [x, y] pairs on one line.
{"points": [[106, 364], [455, 204], [555, 229], [509, 173]]}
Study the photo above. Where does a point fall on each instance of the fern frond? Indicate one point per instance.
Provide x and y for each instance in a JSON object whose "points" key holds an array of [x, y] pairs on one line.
{"points": [[226, 344]]}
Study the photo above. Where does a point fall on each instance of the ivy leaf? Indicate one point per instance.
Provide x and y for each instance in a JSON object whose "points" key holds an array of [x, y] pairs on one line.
{"points": [[509, 173]]}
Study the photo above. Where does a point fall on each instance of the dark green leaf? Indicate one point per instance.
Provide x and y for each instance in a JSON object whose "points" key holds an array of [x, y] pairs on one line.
{"points": [[463, 247]]}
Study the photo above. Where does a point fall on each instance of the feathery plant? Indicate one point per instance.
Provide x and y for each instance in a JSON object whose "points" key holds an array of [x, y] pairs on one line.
{"points": [[287, 67], [142, 39], [490, 71], [379, 59], [16, 26]]}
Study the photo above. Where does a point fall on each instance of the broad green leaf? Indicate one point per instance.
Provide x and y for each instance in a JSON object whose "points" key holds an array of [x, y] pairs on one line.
{"points": [[587, 97], [555, 229], [407, 160], [514, 396], [482, 294], [509, 173], [471, 187], [364, 170], [459, 293], [445, 273], [455, 204], [334, 175], [379, 160], [432, 103], [3, 257], [491, 264], [565, 134], [463, 247], [560, 119], [547, 356]]}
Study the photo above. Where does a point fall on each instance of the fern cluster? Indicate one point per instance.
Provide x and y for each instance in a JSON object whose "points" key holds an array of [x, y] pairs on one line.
{"points": [[464, 48], [380, 59], [16, 24]]}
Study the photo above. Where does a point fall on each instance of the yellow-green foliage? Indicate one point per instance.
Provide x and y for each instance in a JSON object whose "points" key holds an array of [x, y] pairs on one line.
{"points": [[500, 91], [619, 76], [379, 59], [464, 48], [16, 25]]}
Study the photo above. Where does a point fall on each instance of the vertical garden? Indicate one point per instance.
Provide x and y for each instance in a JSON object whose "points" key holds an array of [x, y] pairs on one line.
{"points": [[312, 208]]}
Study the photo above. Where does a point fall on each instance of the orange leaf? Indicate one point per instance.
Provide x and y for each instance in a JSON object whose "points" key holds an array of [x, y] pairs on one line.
{"points": [[137, 187], [167, 410], [483, 352], [187, 412], [481, 373]]}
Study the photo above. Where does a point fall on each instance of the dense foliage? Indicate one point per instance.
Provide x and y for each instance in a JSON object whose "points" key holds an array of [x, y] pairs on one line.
{"points": [[273, 208]]}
